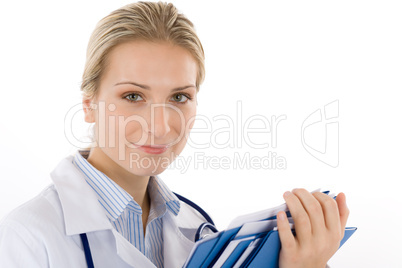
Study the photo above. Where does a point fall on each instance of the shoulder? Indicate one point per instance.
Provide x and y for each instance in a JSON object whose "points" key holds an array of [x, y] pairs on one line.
{"points": [[40, 213], [29, 229]]}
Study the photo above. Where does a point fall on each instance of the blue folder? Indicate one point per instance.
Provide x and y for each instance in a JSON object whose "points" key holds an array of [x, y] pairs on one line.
{"points": [[265, 253]]}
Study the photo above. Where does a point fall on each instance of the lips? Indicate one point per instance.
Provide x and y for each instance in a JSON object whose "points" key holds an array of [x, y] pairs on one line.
{"points": [[152, 149]]}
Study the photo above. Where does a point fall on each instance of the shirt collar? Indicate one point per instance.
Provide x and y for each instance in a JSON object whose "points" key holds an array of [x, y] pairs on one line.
{"points": [[161, 196], [115, 199], [111, 196]]}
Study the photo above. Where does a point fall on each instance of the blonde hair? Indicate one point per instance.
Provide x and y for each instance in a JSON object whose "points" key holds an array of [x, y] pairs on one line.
{"points": [[148, 21]]}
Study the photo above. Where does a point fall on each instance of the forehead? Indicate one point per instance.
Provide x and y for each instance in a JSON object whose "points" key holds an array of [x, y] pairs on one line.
{"points": [[154, 64]]}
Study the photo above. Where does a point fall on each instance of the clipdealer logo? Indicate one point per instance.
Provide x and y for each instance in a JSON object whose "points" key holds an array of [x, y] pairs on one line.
{"points": [[202, 161], [320, 134], [228, 132], [319, 137]]}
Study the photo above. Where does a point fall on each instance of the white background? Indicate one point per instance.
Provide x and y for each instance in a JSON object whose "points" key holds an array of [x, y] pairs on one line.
{"points": [[276, 57]]}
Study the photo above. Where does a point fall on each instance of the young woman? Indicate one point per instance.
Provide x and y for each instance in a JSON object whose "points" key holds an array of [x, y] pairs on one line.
{"points": [[144, 67]]}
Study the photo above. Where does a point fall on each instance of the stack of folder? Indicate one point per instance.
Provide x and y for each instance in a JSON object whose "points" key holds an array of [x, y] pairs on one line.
{"points": [[249, 241]]}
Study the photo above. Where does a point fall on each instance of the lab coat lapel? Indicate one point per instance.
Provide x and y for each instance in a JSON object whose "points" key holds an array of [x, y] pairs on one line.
{"points": [[176, 247], [81, 208], [130, 254], [84, 214]]}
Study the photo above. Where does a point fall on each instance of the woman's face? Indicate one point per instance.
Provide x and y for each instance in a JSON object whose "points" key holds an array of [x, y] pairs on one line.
{"points": [[145, 106]]}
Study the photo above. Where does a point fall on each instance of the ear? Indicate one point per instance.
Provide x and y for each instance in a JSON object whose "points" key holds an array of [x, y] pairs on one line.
{"points": [[89, 109]]}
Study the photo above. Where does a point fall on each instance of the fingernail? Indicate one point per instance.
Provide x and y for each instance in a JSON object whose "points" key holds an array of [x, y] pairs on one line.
{"points": [[281, 216], [287, 193]]}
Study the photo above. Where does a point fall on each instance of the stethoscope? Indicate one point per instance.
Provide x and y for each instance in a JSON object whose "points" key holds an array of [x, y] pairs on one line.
{"points": [[209, 224]]}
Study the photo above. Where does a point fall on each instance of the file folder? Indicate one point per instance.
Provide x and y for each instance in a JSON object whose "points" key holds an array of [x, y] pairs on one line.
{"points": [[253, 242]]}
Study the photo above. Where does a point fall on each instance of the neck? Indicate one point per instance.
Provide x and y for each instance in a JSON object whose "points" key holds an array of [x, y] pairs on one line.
{"points": [[133, 184]]}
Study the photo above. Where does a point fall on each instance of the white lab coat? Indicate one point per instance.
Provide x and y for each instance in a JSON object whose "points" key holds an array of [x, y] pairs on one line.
{"points": [[44, 232]]}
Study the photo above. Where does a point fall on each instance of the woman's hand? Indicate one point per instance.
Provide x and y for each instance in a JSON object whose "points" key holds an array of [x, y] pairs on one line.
{"points": [[319, 224]]}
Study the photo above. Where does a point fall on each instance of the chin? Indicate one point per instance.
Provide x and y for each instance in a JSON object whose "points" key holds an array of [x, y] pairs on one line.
{"points": [[148, 171], [150, 165]]}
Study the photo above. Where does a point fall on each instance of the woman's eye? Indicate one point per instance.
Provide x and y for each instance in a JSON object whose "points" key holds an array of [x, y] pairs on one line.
{"points": [[134, 97], [180, 98]]}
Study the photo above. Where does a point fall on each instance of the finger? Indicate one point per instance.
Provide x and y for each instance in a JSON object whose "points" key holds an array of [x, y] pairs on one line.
{"points": [[343, 209], [314, 210], [299, 215], [285, 233], [330, 209]]}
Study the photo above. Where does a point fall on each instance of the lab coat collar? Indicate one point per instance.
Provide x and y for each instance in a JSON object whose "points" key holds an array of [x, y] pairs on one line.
{"points": [[84, 214], [81, 209]]}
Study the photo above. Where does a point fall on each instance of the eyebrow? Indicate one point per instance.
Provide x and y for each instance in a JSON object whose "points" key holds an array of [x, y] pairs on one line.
{"points": [[149, 88]]}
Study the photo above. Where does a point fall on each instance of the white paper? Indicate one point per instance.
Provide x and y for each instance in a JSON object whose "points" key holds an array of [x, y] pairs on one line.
{"points": [[259, 215]]}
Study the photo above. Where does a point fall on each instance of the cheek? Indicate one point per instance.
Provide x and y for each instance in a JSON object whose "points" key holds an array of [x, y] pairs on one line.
{"points": [[184, 122], [190, 122], [190, 119], [133, 126], [133, 129], [115, 127], [129, 123]]}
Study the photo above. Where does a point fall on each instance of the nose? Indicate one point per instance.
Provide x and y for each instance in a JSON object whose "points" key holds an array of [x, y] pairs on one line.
{"points": [[159, 123]]}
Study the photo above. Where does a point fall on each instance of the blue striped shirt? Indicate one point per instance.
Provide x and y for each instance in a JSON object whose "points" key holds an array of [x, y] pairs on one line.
{"points": [[125, 214]]}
